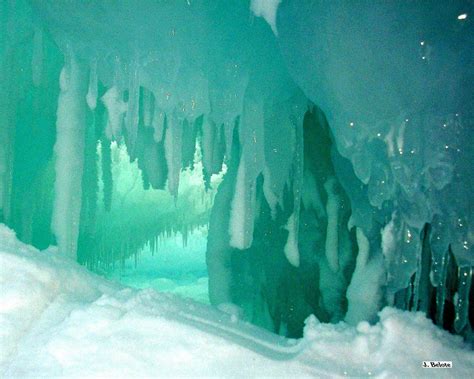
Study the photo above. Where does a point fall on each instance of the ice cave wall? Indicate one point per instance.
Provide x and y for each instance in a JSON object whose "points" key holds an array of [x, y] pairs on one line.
{"points": [[372, 185]]}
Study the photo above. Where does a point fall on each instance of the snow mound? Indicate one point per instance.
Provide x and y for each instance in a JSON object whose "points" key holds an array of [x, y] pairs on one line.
{"points": [[59, 320]]}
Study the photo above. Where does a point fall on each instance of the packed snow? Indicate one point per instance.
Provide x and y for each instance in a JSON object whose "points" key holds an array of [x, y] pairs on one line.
{"points": [[59, 320]]}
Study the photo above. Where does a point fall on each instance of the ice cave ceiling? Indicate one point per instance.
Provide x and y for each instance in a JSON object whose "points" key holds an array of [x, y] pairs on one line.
{"points": [[345, 129]]}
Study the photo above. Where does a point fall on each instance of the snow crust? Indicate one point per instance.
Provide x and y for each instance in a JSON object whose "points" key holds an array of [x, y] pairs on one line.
{"points": [[59, 320]]}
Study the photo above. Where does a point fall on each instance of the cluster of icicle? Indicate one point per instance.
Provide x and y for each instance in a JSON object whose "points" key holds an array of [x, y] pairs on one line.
{"points": [[405, 175], [175, 130]]}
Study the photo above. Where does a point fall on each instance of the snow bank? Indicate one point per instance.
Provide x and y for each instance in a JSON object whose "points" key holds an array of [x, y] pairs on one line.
{"points": [[57, 319]]}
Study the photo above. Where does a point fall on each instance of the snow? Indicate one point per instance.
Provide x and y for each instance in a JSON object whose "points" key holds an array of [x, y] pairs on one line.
{"points": [[59, 320]]}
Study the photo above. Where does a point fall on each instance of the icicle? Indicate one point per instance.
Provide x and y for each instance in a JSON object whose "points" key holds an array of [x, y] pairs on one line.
{"points": [[271, 198], [188, 144], [228, 135], [158, 124], [91, 96], [69, 150], [115, 106], [291, 247], [441, 289], [37, 58], [332, 209], [241, 220], [173, 139], [154, 163], [106, 164], [147, 100], [252, 162], [218, 151], [131, 124], [462, 303], [208, 131], [311, 197]]}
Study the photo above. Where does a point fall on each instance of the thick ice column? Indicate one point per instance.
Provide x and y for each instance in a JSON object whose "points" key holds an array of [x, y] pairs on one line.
{"points": [[69, 152]]}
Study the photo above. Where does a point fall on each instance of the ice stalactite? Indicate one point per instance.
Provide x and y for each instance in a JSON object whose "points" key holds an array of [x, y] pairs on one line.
{"points": [[189, 135], [148, 106], [91, 96], [158, 124], [251, 164], [291, 247], [212, 148], [173, 138], [207, 143], [332, 210], [268, 10], [132, 115], [116, 109], [106, 165], [69, 151]]}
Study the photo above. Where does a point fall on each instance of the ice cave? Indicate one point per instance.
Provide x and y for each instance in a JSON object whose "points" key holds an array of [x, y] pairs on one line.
{"points": [[236, 188]]}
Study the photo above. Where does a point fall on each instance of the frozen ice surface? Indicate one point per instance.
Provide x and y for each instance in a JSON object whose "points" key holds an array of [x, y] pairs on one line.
{"points": [[58, 319]]}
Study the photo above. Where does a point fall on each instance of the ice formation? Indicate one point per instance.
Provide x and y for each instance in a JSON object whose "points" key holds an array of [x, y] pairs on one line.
{"points": [[345, 129]]}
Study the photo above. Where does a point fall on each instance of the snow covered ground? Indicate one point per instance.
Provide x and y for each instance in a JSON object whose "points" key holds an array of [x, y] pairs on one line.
{"points": [[59, 320]]}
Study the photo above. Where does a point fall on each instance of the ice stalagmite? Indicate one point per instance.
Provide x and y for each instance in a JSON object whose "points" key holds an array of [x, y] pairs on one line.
{"points": [[69, 151]]}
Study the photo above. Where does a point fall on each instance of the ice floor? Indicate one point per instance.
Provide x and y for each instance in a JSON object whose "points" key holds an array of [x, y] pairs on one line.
{"points": [[59, 320], [173, 266]]}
